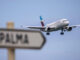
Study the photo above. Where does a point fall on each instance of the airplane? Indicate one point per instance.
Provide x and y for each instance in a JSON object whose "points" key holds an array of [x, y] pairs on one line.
{"points": [[62, 24]]}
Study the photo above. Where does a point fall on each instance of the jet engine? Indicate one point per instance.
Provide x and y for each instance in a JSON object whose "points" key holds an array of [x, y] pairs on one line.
{"points": [[69, 28], [47, 29]]}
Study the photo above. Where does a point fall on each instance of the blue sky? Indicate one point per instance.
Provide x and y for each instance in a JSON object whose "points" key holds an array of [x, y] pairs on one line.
{"points": [[27, 12]]}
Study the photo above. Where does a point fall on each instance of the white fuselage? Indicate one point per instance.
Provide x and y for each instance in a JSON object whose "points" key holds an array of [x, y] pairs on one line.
{"points": [[58, 25]]}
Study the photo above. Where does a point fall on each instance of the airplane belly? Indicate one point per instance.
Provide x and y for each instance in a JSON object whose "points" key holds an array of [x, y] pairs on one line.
{"points": [[57, 27]]}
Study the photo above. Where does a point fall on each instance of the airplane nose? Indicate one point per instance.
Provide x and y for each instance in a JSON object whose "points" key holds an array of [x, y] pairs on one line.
{"points": [[67, 22]]}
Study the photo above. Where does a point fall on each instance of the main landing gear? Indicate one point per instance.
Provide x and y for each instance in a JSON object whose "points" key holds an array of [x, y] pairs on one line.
{"points": [[47, 33], [62, 33]]}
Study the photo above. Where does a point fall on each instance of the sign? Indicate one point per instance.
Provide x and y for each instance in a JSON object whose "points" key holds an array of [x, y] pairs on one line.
{"points": [[18, 38]]}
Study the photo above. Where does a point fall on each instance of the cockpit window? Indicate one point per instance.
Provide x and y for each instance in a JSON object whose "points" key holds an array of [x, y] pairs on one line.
{"points": [[64, 20]]}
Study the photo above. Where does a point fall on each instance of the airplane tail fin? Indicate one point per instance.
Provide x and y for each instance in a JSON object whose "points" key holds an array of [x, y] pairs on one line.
{"points": [[42, 23]]}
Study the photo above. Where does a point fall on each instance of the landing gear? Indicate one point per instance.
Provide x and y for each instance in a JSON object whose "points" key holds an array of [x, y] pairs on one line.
{"points": [[47, 33], [62, 33]]}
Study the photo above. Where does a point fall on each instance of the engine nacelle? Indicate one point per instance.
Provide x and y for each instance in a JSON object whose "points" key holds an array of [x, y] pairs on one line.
{"points": [[69, 28], [47, 29]]}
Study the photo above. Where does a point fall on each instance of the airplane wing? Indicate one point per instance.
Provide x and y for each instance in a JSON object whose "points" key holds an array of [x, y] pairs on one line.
{"points": [[74, 26], [36, 27]]}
